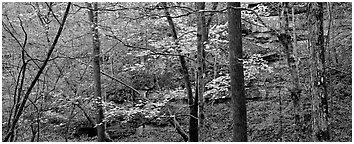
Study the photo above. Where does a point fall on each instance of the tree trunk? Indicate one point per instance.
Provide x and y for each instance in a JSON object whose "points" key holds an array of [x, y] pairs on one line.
{"points": [[320, 131], [296, 93], [193, 123], [295, 90], [201, 38], [93, 17], [332, 51], [236, 74], [328, 38]]}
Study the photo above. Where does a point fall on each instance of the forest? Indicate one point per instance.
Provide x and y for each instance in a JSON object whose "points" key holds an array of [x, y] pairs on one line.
{"points": [[176, 71]]}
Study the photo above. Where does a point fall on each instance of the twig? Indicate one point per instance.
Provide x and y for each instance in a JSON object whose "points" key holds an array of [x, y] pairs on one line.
{"points": [[177, 126], [341, 71], [105, 74], [258, 18], [187, 115], [40, 71], [17, 41], [143, 48], [51, 10]]}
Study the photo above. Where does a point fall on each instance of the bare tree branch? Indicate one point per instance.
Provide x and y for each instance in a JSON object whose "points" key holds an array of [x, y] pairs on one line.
{"points": [[123, 83], [144, 48], [51, 10], [28, 92]]}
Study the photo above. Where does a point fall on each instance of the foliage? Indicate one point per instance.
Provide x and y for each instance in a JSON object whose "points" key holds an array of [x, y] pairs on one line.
{"points": [[137, 49], [260, 9], [128, 112], [254, 67]]}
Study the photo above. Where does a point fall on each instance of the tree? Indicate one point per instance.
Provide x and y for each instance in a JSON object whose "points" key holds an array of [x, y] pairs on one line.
{"points": [[160, 47], [193, 103], [100, 124], [36, 78], [236, 73], [320, 131], [285, 40], [296, 92], [201, 39]]}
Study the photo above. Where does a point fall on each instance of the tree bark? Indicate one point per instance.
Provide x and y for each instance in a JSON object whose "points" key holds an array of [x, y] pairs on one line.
{"points": [[320, 131], [236, 74], [93, 17], [328, 44], [192, 102], [201, 38], [295, 91]]}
